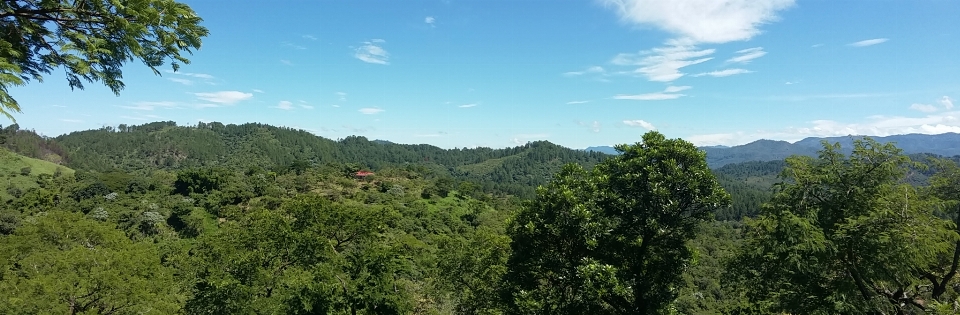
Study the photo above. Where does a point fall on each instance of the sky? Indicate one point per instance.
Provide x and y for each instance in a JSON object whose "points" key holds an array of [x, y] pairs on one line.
{"points": [[481, 73]]}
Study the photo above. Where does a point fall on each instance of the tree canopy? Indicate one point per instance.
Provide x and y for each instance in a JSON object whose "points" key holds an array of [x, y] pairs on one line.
{"points": [[91, 40]]}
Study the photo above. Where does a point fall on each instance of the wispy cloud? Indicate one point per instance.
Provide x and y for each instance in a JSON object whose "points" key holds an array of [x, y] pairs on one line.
{"points": [[310, 37], [577, 102], [663, 64], [639, 123], [926, 108], [181, 81], [747, 55], [292, 45], [151, 105], [258, 90], [342, 96], [370, 110], [468, 105], [286, 62], [675, 89], [190, 74], [594, 126], [946, 102], [372, 52], [648, 97], [869, 42], [305, 106], [75, 121], [593, 69], [224, 97], [702, 21], [430, 20], [284, 105], [723, 73], [668, 94]]}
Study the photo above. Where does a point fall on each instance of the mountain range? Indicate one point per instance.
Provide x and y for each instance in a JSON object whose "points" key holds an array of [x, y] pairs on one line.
{"points": [[946, 144]]}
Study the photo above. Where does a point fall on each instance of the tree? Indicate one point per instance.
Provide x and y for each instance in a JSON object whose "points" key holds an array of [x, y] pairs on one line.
{"points": [[613, 240], [843, 235], [90, 40], [64, 263]]}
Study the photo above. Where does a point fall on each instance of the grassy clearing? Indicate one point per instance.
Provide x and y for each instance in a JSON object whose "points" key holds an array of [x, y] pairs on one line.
{"points": [[20, 172]]}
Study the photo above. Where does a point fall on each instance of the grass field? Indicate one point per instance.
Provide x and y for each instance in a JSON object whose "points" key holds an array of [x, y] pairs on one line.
{"points": [[15, 174]]}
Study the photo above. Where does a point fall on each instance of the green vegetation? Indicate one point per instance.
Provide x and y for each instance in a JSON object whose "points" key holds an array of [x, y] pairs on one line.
{"points": [[90, 40], [255, 219]]}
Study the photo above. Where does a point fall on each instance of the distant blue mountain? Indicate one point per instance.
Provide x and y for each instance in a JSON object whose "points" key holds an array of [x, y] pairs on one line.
{"points": [[947, 144], [603, 149]]}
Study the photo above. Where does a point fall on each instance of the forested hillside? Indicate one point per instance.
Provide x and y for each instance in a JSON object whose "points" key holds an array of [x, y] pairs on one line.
{"points": [[250, 219]]}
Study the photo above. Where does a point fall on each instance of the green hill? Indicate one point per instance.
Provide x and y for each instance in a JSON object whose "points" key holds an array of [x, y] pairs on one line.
{"points": [[21, 173]]}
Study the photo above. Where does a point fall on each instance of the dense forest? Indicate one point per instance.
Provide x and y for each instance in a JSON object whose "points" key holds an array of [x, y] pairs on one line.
{"points": [[256, 219]]}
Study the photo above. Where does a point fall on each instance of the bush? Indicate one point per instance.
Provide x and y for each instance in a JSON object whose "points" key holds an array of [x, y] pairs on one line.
{"points": [[25, 171]]}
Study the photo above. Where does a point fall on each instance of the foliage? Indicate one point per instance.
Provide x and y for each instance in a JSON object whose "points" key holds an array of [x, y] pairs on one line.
{"points": [[613, 241], [90, 40], [64, 263], [842, 236]]}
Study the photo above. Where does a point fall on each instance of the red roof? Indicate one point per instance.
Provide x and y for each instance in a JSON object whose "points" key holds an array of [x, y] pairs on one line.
{"points": [[364, 173]]}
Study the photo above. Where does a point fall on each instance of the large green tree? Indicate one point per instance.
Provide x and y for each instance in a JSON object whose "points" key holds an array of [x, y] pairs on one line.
{"points": [[612, 240], [843, 235], [90, 40]]}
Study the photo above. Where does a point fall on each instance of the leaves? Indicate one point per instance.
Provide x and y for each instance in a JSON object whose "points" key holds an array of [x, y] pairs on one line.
{"points": [[91, 40]]}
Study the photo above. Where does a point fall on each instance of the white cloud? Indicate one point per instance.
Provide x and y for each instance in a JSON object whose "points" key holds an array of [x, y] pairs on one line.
{"points": [[702, 21], [468, 105], [224, 97], [334, 105], [284, 105], [258, 90], [747, 55], [377, 40], [869, 42], [663, 64], [577, 102], [668, 94], [310, 37], [877, 125], [816, 45], [372, 52], [286, 62], [946, 102], [370, 110], [429, 20], [639, 123], [923, 107], [649, 96], [305, 106], [151, 105], [342, 96], [594, 69], [723, 73], [190, 74], [181, 81]]}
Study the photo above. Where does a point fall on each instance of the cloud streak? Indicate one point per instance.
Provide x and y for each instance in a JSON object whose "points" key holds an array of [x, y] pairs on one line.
{"points": [[869, 42], [370, 110], [663, 64], [224, 97], [723, 73], [747, 55]]}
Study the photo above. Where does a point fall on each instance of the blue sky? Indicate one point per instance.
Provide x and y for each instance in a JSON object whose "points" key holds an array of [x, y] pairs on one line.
{"points": [[577, 73]]}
